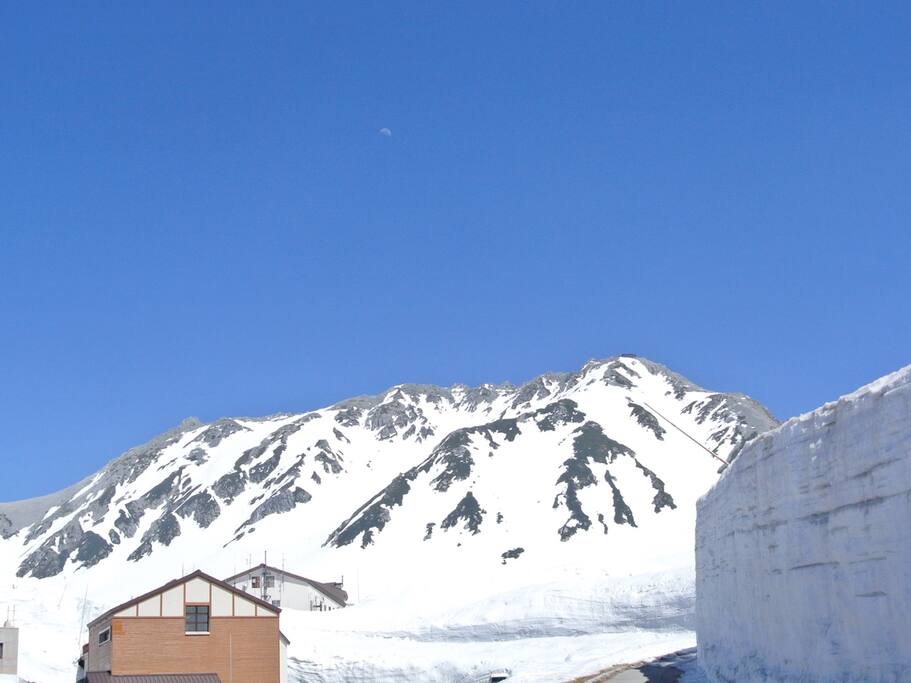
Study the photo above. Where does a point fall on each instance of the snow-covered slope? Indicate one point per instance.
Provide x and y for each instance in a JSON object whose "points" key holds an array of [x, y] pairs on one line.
{"points": [[420, 495], [803, 547]]}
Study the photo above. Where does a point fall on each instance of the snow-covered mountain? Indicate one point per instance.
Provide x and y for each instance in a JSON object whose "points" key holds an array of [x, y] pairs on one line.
{"points": [[568, 470]]}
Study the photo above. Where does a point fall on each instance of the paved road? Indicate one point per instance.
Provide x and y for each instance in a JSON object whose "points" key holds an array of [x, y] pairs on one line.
{"points": [[667, 669]]}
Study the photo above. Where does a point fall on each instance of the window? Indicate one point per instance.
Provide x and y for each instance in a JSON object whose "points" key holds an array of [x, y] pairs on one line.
{"points": [[197, 618], [276, 603], [256, 582], [104, 636], [1, 650], [270, 581]]}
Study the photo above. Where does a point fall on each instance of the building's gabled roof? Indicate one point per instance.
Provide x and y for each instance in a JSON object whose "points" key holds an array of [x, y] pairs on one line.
{"points": [[176, 582], [330, 591], [105, 677]]}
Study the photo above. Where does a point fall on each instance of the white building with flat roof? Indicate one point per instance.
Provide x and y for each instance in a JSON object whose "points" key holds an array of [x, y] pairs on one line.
{"points": [[286, 590]]}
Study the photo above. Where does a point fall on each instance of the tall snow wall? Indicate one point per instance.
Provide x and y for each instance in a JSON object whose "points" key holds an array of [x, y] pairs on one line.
{"points": [[803, 548]]}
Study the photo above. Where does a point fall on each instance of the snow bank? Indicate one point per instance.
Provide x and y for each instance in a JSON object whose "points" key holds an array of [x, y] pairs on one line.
{"points": [[544, 632], [803, 547]]}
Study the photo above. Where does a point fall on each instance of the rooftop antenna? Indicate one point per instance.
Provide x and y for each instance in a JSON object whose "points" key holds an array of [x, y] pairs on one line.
{"points": [[712, 453]]}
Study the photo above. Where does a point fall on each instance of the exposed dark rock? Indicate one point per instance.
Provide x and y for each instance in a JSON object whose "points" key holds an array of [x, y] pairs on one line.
{"points": [[562, 412], [372, 515], [98, 508], [388, 418], [202, 507], [163, 530], [92, 549], [622, 513], [512, 554], [662, 499], [127, 525], [6, 527], [328, 458], [613, 376], [167, 490], [283, 500], [198, 456], [646, 419], [536, 389], [263, 469], [589, 445], [484, 395], [468, 511], [315, 477], [51, 556], [218, 431], [499, 518], [745, 418], [453, 460], [349, 417], [114, 536], [230, 486], [340, 436], [409, 432], [429, 530]]}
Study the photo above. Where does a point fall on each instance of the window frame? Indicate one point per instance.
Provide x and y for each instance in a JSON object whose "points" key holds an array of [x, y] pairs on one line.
{"points": [[196, 615], [104, 636]]}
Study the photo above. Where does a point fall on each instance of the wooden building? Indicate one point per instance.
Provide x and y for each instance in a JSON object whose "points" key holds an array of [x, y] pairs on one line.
{"points": [[196, 628]]}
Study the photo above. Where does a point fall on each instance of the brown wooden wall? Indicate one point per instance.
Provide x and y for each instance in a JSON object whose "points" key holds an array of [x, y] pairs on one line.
{"points": [[238, 649]]}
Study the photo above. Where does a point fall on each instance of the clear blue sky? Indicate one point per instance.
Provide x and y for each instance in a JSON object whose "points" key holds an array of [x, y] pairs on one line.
{"points": [[199, 215]]}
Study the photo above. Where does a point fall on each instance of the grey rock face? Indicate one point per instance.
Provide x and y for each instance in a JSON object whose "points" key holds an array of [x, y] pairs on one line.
{"points": [[229, 486], [613, 377], [6, 527], [536, 389], [558, 413], [592, 445], [92, 549], [744, 417], [512, 554], [163, 530], [283, 500], [388, 418], [349, 417], [328, 458], [50, 558], [454, 459], [263, 469], [202, 507], [477, 397], [468, 512], [373, 515], [646, 419], [218, 431]]}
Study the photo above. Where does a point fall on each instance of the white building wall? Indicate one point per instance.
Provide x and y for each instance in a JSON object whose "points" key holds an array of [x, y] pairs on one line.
{"points": [[803, 548], [290, 592], [9, 664]]}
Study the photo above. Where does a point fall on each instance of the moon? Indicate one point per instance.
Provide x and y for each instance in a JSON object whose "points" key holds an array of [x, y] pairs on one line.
{"points": [[385, 132]]}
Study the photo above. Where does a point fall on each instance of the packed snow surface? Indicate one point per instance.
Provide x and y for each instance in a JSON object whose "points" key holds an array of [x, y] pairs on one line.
{"points": [[545, 528], [803, 548]]}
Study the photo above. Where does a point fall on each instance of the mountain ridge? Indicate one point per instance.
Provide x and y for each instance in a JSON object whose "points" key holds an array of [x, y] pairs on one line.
{"points": [[418, 430]]}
